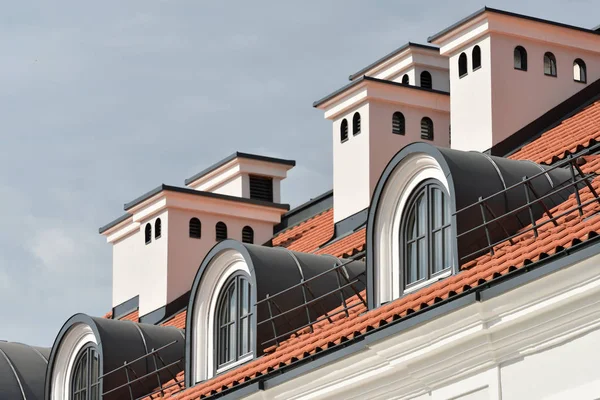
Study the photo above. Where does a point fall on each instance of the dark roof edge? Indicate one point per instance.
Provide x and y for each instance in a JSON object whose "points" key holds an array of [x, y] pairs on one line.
{"points": [[305, 211], [493, 288], [114, 222], [391, 55], [371, 79], [596, 28], [510, 14], [235, 155], [547, 121], [177, 189]]}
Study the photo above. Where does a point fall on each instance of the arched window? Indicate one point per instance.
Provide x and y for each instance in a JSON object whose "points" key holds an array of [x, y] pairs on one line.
{"points": [[549, 64], [425, 234], [356, 124], [157, 228], [85, 384], [195, 228], [344, 131], [247, 235], [579, 71], [398, 123], [520, 56], [233, 317], [220, 231], [148, 233], [462, 65], [426, 81], [426, 128], [406, 79], [476, 56]]}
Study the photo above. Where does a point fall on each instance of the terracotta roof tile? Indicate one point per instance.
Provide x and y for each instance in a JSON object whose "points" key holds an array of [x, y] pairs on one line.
{"points": [[178, 320], [572, 135], [307, 236], [572, 229], [346, 246], [132, 316]]}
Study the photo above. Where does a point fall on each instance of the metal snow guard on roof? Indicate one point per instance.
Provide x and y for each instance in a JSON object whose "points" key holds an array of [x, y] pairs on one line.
{"points": [[526, 207], [316, 305]]}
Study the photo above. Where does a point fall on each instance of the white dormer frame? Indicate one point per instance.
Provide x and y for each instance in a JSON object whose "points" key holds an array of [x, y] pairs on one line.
{"points": [[405, 178], [216, 275]]}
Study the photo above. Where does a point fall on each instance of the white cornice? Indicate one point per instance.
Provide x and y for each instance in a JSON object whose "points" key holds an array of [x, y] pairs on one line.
{"points": [[473, 340]]}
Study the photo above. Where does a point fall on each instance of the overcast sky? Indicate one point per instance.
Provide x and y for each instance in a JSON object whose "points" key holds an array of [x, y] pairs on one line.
{"points": [[103, 101]]}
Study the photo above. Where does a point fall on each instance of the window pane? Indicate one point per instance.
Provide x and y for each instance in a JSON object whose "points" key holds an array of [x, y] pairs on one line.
{"points": [[244, 297], [438, 251], [411, 225], [222, 356], [422, 257], [232, 303], [447, 248], [446, 207], [231, 342], [421, 215], [411, 260], [437, 212], [244, 345]]}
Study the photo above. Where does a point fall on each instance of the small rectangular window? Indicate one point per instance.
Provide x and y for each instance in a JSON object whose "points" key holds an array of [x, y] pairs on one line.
{"points": [[261, 188]]}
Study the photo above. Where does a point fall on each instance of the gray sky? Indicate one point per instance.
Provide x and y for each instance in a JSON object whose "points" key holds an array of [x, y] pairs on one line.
{"points": [[102, 101]]}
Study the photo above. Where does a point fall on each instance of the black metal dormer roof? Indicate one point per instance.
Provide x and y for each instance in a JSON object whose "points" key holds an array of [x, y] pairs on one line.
{"points": [[478, 183], [290, 291], [22, 371], [124, 347]]}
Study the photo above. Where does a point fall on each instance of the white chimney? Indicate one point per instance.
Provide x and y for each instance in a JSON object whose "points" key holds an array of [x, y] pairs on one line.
{"points": [[391, 115], [527, 67]]}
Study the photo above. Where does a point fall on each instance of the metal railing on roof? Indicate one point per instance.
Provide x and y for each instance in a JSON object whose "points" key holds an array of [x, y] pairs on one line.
{"points": [[578, 181], [158, 365], [310, 300]]}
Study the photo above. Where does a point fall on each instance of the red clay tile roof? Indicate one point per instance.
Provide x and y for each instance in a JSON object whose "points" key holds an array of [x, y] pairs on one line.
{"points": [[346, 246], [307, 236], [570, 136], [132, 316], [178, 320], [572, 230]]}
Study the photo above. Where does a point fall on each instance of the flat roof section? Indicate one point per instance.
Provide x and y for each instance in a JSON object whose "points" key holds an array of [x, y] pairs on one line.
{"points": [[392, 54], [510, 14], [235, 155]]}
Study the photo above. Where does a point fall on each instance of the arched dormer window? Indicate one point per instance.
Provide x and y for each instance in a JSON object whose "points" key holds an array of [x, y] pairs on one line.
{"points": [[148, 233], [426, 128], [220, 231], [579, 71], [85, 384], [195, 228], [549, 64], [406, 79], [462, 65], [425, 234], [356, 124], [247, 235], [520, 58], [426, 81], [233, 322], [157, 228], [344, 130], [398, 123], [476, 57]]}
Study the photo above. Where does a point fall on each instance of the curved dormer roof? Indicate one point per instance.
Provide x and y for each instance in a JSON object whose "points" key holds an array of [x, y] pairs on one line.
{"points": [[22, 371]]}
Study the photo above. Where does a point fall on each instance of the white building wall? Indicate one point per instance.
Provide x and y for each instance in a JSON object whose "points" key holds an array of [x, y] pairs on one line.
{"points": [[231, 187], [384, 144], [439, 78], [186, 254], [140, 268], [351, 166], [519, 97], [568, 371], [471, 100]]}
